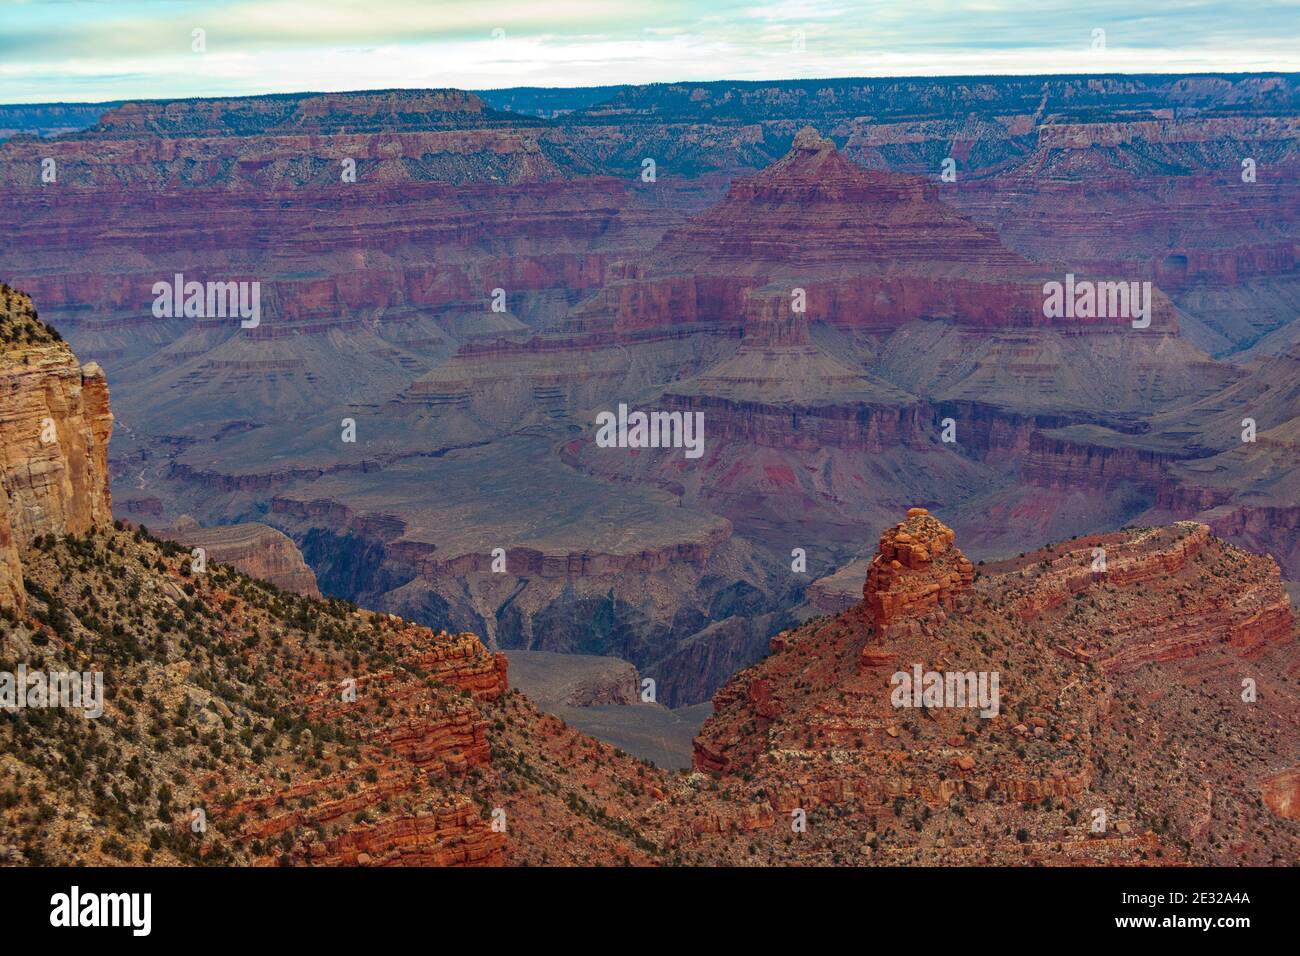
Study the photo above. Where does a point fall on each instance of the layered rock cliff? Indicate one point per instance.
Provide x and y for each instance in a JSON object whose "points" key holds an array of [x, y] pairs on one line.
{"points": [[255, 549], [54, 431], [923, 302]]}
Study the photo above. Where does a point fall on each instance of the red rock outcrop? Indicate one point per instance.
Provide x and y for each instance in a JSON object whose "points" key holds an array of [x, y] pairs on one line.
{"points": [[917, 573], [453, 836], [1249, 615]]}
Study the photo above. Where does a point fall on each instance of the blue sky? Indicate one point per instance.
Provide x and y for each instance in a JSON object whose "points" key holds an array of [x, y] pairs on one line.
{"points": [[88, 50]]}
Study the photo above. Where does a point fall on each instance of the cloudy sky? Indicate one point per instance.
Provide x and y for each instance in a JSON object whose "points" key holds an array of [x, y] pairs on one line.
{"points": [[87, 50]]}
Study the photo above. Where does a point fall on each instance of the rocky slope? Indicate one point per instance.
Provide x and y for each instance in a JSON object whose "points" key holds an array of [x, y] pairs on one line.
{"points": [[1119, 691], [307, 733]]}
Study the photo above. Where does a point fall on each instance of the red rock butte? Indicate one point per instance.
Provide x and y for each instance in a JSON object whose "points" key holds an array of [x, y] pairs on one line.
{"points": [[916, 575]]}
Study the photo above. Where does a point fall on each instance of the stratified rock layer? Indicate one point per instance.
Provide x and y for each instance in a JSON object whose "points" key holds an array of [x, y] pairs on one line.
{"points": [[923, 301], [256, 549], [916, 573], [55, 425]]}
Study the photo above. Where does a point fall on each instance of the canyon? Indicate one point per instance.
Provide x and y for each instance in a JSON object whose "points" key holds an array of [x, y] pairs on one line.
{"points": [[246, 724], [797, 268]]}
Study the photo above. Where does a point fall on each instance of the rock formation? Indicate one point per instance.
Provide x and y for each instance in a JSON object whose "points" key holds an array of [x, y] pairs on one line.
{"points": [[916, 575], [54, 432], [255, 549], [1167, 628]]}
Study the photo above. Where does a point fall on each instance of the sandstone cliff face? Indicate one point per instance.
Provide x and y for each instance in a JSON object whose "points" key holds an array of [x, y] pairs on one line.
{"points": [[256, 549], [55, 425]]}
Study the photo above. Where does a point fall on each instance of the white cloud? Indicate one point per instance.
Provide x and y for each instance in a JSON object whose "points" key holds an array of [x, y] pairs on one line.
{"points": [[132, 48]]}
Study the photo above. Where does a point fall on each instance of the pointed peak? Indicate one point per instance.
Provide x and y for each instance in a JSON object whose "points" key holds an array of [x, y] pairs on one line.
{"points": [[815, 163]]}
